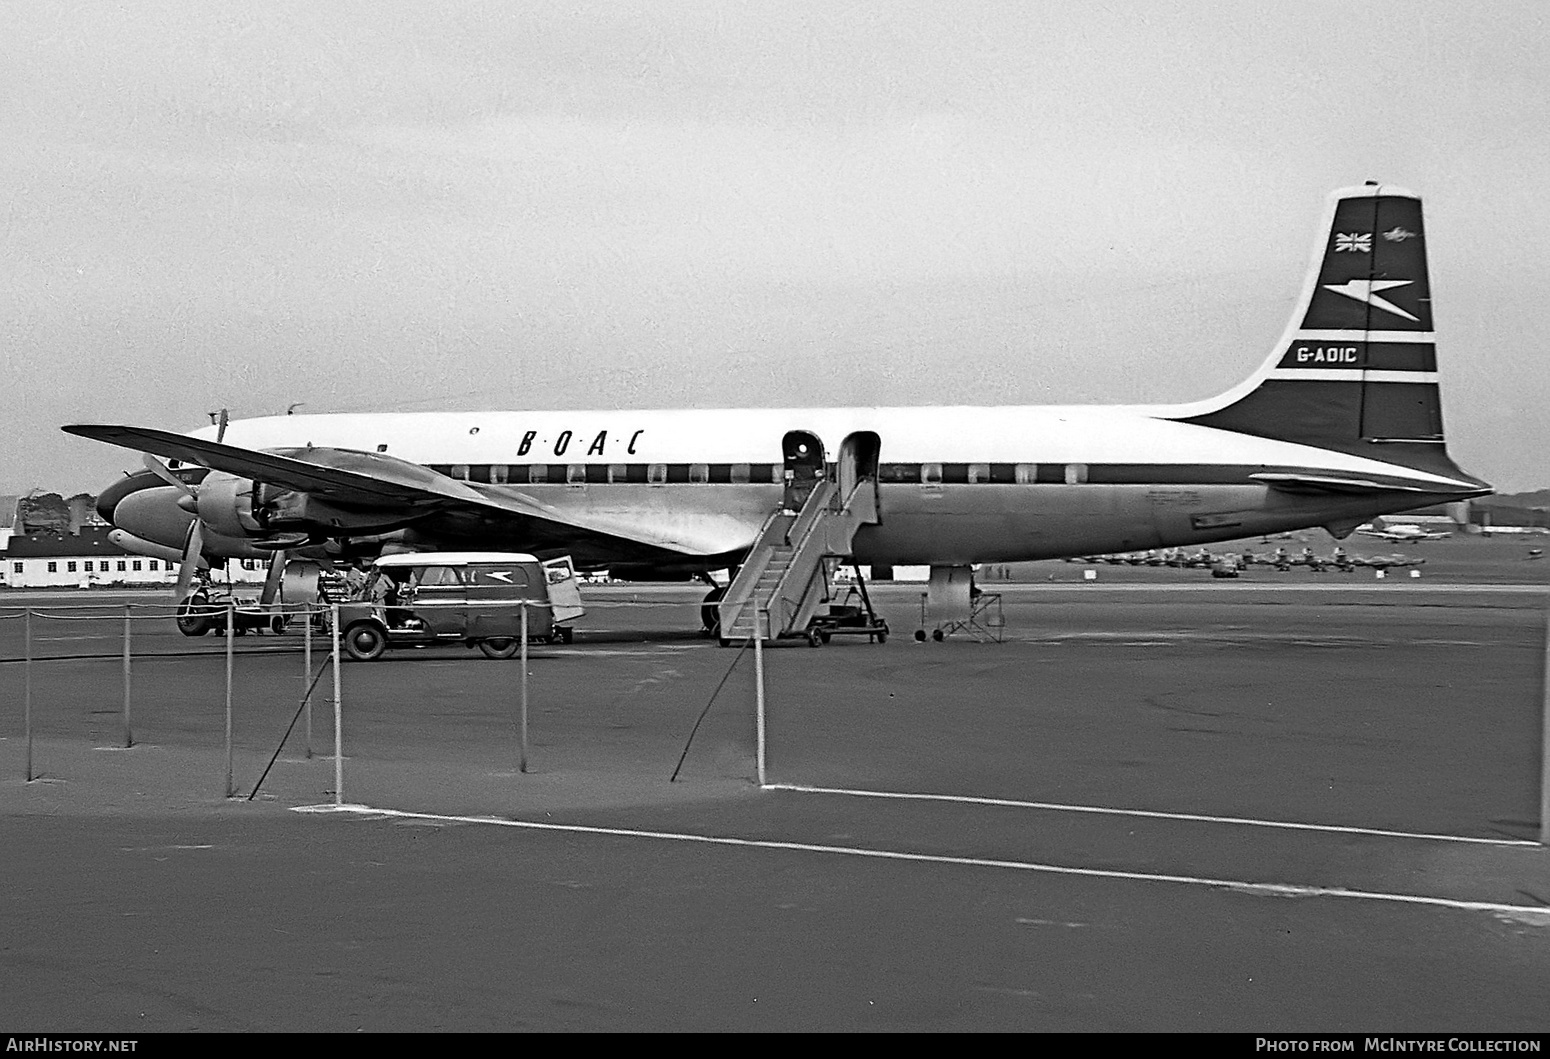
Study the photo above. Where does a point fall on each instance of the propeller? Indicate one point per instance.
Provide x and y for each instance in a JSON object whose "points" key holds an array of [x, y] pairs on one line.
{"points": [[193, 545], [276, 575], [191, 549], [162, 471]]}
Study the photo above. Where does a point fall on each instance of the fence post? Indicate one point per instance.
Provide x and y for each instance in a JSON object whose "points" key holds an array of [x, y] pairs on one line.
{"points": [[231, 625], [306, 675], [522, 758], [27, 694], [338, 713], [758, 679], [128, 736]]}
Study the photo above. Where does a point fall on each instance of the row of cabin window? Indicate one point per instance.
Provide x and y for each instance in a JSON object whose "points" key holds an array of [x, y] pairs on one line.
{"points": [[102, 565], [739, 473]]}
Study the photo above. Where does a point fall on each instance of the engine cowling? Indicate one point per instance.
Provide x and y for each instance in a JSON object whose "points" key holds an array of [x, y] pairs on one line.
{"points": [[226, 505]]}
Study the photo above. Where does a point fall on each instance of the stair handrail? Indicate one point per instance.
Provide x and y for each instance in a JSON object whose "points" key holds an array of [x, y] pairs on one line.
{"points": [[816, 505], [808, 522], [748, 574]]}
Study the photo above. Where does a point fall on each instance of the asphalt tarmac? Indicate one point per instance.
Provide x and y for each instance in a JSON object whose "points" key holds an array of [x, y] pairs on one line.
{"points": [[1272, 805]]}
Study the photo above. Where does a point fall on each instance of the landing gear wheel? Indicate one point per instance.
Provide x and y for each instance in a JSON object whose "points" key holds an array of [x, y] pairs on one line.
{"points": [[815, 638], [936, 634], [191, 619], [826, 636], [364, 642], [277, 625], [500, 647], [566, 634], [882, 632], [710, 614], [920, 635]]}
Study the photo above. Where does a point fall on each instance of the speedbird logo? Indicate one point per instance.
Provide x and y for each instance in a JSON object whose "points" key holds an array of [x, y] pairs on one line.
{"points": [[1399, 235], [1367, 290]]}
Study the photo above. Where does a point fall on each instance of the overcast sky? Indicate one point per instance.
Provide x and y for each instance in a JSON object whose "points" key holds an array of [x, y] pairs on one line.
{"points": [[436, 206]]}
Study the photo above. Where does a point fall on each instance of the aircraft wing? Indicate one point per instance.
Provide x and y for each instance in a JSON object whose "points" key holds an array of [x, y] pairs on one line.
{"points": [[356, 485], [368, 479]]}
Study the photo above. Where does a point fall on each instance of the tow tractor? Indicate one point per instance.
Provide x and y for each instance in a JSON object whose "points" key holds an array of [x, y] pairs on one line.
{"points": [[205, 611]]}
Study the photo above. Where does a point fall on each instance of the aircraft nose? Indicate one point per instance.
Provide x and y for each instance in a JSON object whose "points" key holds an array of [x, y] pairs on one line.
{"points": [[153, 514], [109, 499]]}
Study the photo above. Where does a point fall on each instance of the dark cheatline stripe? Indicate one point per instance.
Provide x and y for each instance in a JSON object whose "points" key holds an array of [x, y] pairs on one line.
{"points": [[929, 475]]}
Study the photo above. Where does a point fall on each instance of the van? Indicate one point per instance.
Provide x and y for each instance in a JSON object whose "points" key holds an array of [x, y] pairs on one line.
{"points": [[424, 598]]}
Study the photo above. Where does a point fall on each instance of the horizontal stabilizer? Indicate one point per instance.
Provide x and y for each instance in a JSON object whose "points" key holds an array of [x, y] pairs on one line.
{"points": [[1326, 483]]}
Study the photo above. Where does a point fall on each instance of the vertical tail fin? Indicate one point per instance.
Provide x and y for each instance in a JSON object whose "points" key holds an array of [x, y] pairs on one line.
{"points": [[1356, 369]]}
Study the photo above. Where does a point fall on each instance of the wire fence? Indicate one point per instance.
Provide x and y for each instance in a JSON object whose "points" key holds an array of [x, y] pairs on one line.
{"points": [[67, 644], [124, 674]]}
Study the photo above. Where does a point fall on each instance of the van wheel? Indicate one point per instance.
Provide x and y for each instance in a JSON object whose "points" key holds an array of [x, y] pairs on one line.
{"points": [[364, 642], [500, 647]]}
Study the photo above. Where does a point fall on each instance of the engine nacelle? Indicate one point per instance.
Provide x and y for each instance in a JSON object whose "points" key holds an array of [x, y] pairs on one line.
{"points": [[226, 505]]}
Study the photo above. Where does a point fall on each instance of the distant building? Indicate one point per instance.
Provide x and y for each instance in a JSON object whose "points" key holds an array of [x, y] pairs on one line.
{"points": [[9, 506], [51, 560]]}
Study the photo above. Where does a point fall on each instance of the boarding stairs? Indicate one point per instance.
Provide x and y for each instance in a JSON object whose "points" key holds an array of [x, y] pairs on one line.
{"points": [[786, 574]]}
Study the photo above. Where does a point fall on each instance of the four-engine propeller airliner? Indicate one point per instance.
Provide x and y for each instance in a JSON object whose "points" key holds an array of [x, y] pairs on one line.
{"points": [[1405, 532], [1341, 423]]}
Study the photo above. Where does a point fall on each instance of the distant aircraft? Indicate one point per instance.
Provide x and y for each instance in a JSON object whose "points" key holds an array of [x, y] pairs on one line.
{"points": [[1406, 532], [1384, 562], [1340, 424]]}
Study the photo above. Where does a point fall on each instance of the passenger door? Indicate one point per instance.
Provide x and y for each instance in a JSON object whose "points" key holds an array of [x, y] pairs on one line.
{"points": [[804, 466]]}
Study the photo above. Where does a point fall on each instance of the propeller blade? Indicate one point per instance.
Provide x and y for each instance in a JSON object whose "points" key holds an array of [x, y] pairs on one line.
{"points": [[191, 553], [272, 582], [162, 471]]}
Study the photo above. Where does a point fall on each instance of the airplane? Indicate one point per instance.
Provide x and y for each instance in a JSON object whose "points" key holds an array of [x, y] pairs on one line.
{"points": [[1406, 532], [1385, 562], [1340, 424]]}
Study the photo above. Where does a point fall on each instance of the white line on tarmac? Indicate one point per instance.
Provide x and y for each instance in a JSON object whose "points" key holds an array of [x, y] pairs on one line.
{"points": [[1534, 915], [1400, 585], [1152, 814]]}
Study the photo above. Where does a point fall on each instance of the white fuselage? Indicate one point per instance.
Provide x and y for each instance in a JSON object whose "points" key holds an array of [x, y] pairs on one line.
{"points": [[956, 484]]}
